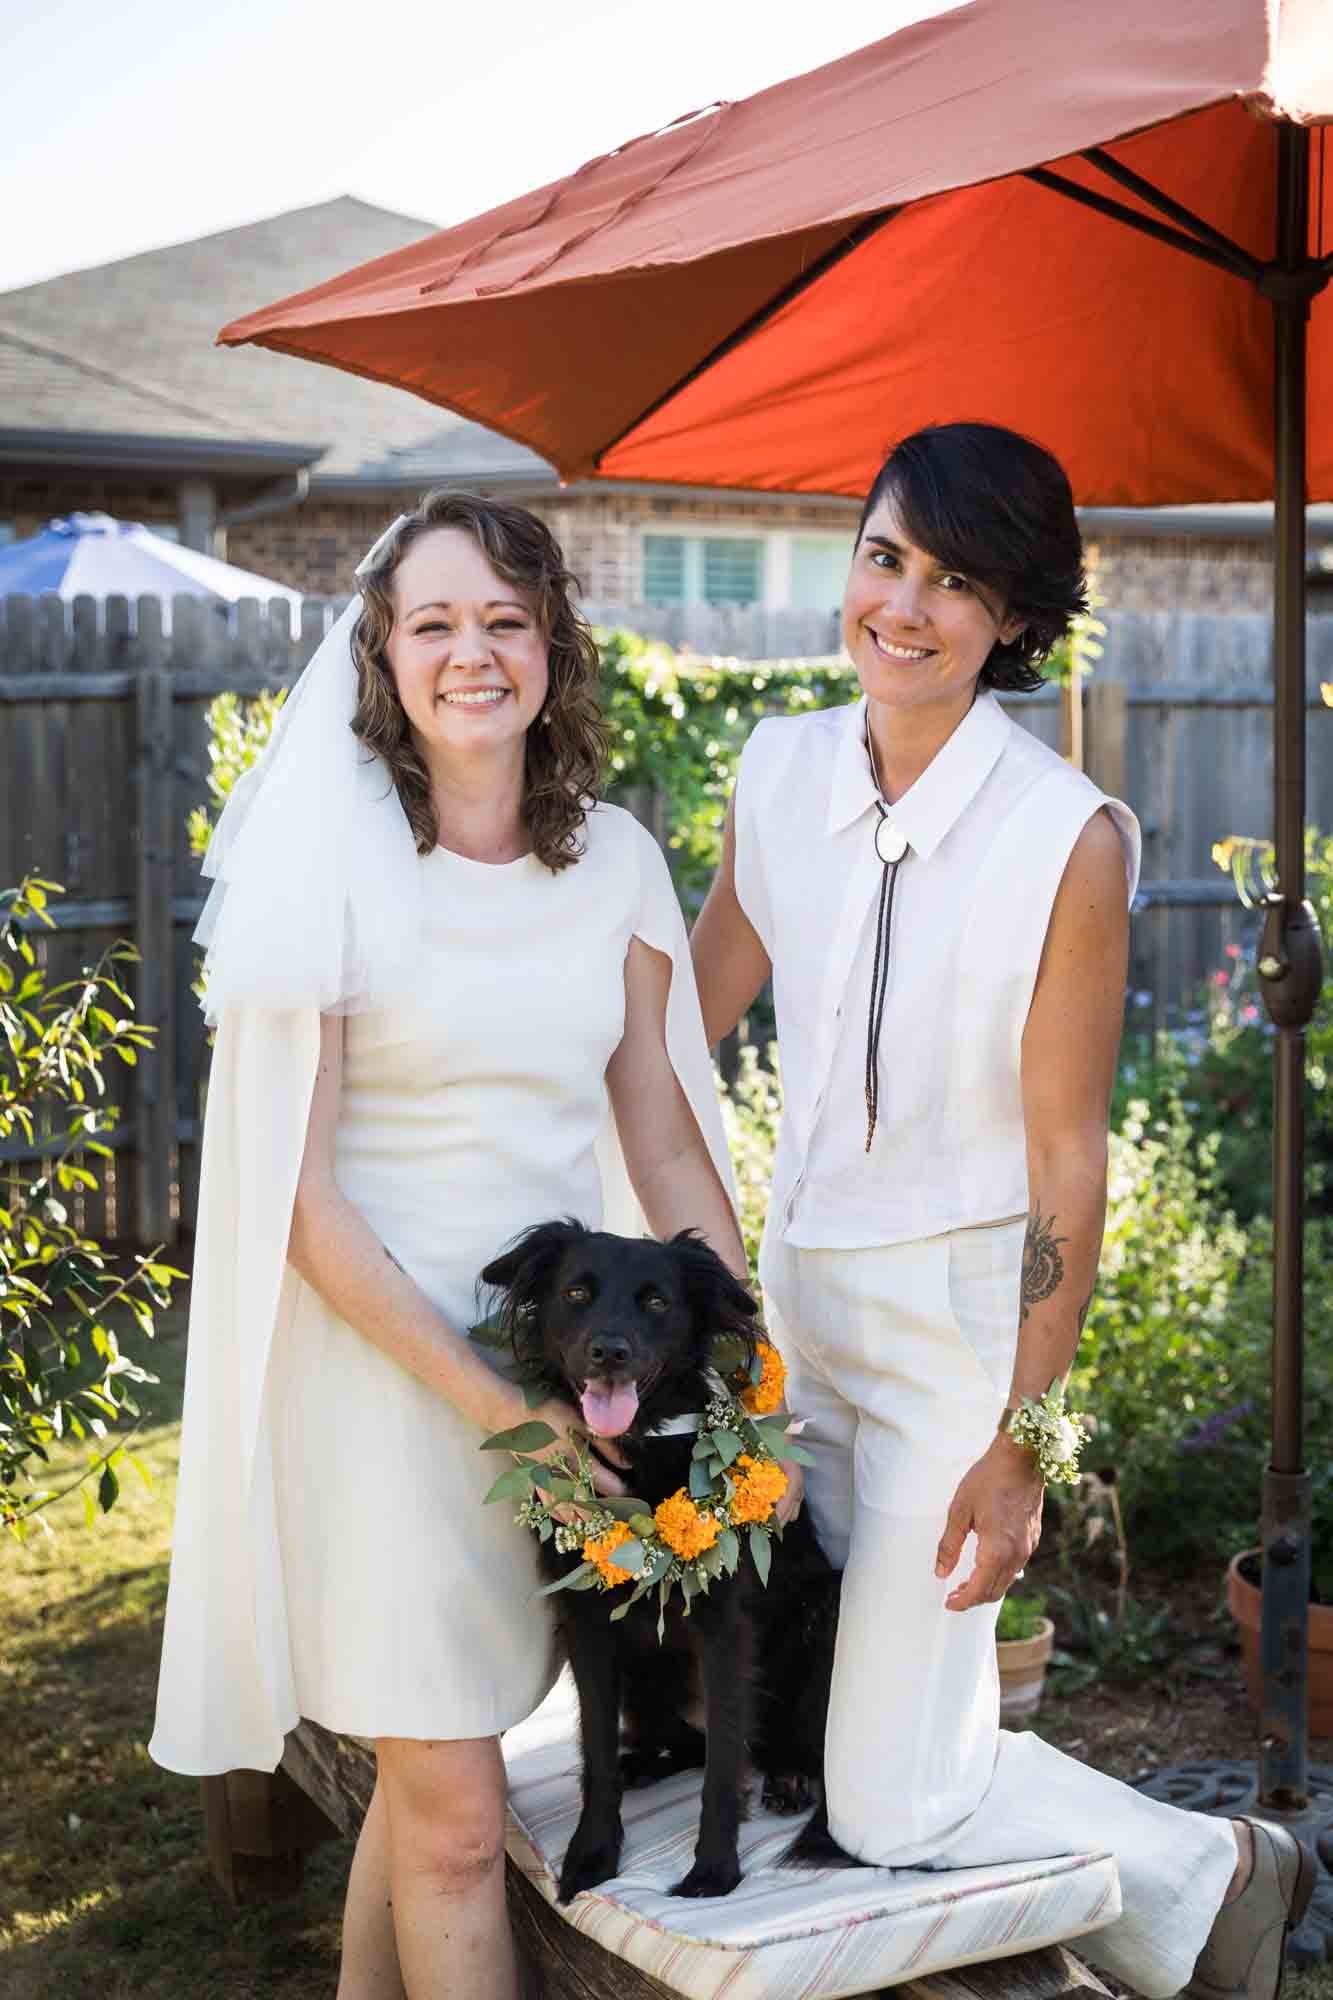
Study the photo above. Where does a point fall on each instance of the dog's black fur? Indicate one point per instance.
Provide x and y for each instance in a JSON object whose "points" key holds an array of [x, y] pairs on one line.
{"points": [[585, 1306]]}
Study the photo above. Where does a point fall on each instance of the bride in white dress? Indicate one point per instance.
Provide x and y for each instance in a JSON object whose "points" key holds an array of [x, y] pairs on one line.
{"points": [[434, 963]]}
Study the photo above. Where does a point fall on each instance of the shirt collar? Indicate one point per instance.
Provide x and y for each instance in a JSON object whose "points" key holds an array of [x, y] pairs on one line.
{"points": [[945, 788]]}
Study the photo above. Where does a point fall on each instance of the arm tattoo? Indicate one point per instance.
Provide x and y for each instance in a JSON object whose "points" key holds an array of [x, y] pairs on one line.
{"points": [[1043, 1266]]}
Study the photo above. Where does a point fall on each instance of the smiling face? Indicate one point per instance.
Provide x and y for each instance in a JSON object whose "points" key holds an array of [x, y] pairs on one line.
{"points": [[467, 654], [917, 633], [617, 1320]]}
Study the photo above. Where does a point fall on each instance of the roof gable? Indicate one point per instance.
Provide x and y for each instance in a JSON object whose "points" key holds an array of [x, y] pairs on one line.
{"points": [[133, 343]]}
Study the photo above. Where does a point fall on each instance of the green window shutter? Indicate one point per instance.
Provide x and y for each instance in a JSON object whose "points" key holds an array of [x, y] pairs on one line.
{"points": [[733, 570], [818, 571], [664, 569]]}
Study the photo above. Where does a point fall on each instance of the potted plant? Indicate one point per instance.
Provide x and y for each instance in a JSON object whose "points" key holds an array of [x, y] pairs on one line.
{"points": [[1024, 1639]]}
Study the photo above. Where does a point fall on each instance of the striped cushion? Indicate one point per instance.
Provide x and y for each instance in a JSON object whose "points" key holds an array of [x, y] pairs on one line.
{"points": [[798, 1932]]}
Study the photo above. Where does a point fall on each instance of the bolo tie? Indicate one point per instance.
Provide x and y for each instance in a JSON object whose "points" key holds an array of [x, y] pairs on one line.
{"points": [[890, 846]]}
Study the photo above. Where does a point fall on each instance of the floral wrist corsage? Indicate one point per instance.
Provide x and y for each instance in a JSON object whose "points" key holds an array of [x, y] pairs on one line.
{"points": [[1053, 1434]]}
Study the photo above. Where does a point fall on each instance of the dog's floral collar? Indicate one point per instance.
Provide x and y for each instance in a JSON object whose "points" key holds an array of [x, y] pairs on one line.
{"points": [[691, 1538]]}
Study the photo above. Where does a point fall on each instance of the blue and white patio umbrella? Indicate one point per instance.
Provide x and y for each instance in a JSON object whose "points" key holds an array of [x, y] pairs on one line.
{"points": [[94, 555]]}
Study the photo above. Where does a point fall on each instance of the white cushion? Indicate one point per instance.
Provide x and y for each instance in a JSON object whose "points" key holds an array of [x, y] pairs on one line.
{"points": [[790, 1931]]}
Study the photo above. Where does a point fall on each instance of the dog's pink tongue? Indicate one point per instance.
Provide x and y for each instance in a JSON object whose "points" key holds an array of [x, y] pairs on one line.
{"points": [[609, 1407]]}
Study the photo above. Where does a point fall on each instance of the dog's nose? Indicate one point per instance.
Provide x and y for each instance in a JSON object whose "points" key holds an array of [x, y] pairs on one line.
{"points": [[608, 1350]]}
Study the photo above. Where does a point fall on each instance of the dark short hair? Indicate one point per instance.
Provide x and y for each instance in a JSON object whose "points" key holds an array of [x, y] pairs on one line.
{"points": [[997, 508]]}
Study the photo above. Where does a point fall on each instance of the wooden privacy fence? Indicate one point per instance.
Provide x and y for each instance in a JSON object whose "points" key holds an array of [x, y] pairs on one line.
{"points": [[104, 752]]}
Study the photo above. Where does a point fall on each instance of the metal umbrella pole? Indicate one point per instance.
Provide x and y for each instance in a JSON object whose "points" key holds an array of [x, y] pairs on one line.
{"points": [[1290, 974]]}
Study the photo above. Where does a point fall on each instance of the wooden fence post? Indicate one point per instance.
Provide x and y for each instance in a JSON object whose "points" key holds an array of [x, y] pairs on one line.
{"points": [[1071, 722], [155, 1105], [1107, 736]]}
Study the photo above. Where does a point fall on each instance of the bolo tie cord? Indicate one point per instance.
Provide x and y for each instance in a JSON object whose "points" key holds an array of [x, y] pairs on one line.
{"points": [[879, 980]]}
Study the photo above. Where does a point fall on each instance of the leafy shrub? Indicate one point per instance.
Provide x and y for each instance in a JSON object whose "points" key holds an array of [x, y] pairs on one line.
{"points": [[1158, 1350], [62, 1374], [237, 732], [1020, 1617], [1221, 1065], [751, 1110]]}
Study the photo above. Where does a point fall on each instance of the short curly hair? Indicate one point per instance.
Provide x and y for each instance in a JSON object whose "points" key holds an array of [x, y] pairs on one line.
{"points": [[998, 508], [565, 753]]}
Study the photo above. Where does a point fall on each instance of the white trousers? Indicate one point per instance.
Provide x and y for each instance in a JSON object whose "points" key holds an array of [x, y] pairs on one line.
{"points": [[901, 1360]]}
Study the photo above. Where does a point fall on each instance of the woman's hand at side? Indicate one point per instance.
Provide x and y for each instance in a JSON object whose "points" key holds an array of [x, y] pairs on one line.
{"points": [[999, 1501]]}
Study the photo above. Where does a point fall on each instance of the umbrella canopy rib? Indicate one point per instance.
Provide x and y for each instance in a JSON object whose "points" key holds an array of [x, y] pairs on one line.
{"points": [[1233, 259], [1115, 170], [783, 297]]}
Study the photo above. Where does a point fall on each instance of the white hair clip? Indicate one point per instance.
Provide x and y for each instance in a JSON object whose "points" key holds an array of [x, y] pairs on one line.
{"points": [[377, 548]]}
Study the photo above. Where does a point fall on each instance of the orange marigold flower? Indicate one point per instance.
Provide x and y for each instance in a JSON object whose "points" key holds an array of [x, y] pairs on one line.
{"points": [[765, 1395], [759, 1483], [683, 1528], [599, 1552]]}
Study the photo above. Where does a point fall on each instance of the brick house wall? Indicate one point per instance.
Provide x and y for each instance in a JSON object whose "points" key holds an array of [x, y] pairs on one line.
{"points": [[316, 547], [29, 501]]}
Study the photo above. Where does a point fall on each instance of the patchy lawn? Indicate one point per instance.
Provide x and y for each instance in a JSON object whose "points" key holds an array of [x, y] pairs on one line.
{"points": [[104, 1886]]}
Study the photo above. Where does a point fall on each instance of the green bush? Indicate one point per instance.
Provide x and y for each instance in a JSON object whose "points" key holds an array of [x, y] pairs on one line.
{"points": [[751, 1110], [1220, 1066], [1158, 1354], [1020, 1617], [62, 1374]]}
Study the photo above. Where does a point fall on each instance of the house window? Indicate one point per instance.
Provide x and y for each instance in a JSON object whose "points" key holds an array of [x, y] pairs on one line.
{"points": [[733, 570], [818, 571], [664, 569], [703, 569]]}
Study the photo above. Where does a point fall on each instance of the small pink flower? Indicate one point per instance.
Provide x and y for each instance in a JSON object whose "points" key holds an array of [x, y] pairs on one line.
{"points": [[1249, 1013], [1233, 951], [1220, 978]]}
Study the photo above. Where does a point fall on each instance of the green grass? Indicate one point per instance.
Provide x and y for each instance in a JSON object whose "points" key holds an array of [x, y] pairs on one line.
{"points": [[104, 1885]]}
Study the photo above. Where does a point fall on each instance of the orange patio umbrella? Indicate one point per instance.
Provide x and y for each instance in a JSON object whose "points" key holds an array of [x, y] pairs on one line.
{"points": [[1107, 226]]}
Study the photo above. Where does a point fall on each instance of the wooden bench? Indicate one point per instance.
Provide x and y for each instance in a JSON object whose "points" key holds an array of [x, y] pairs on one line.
{"points": [[261, 1825]]}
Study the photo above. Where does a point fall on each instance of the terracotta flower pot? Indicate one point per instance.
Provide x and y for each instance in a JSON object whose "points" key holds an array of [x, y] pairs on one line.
{"points": [[1245, 1600], [1023, 1664]]}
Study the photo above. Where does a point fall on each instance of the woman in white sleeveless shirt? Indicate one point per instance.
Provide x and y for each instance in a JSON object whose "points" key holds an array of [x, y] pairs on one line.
{"points": [[943, 906]]}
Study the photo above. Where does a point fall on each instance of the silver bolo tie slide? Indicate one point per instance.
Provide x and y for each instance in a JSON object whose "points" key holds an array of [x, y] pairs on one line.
{"points": [[890, 846]]}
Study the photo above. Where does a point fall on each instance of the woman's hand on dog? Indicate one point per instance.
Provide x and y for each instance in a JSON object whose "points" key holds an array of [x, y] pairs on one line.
{"points": [[569, 1429]]}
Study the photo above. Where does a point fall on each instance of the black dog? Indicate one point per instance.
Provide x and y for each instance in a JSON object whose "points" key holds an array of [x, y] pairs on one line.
{"points": [[624, 1329]]}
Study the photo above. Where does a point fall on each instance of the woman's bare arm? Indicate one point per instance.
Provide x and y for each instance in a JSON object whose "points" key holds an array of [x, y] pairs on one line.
{"points": [[338, 1253], [1068, 1068], [670, 1167], [1070, 1046], [730, 963]]}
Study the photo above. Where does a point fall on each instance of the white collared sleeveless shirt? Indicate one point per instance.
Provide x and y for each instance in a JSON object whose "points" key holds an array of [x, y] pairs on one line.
{"points": [[989, 825]]}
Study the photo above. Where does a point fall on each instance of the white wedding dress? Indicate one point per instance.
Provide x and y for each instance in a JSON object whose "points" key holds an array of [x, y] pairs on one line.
{"points": [[363, 1583]]}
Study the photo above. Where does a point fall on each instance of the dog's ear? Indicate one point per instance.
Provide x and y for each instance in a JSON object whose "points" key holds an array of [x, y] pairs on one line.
{"points": [[721, 1303], [532, 1251]]}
